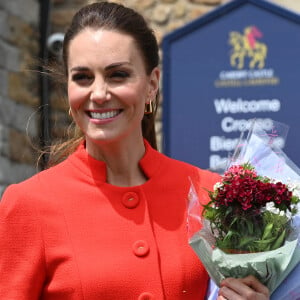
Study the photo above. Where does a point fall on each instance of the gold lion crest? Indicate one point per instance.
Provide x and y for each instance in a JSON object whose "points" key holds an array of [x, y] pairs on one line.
{"points": [[246, 48]]}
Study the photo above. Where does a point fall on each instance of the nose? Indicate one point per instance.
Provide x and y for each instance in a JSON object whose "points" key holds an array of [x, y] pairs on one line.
{"points": [[99, 91]]}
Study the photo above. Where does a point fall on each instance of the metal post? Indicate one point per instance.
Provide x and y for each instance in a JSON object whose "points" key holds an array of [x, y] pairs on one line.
{"points": [[45, 138]]}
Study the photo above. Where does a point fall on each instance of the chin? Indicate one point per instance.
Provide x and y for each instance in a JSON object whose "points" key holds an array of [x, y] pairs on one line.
{"points": [[102, 139]]}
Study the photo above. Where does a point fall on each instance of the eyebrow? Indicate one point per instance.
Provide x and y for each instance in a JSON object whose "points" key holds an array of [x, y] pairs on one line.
{"points": [[107, 68], [116, 65]]}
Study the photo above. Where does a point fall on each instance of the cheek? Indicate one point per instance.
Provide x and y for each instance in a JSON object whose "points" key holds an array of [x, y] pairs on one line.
{"points": [[133, 95], [76, 96]]}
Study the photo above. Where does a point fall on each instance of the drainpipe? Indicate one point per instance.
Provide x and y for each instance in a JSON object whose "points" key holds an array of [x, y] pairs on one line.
{"points": [[45, 139]]}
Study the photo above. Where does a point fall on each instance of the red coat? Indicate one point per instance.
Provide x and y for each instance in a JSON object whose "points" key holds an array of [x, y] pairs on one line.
{"points": [[67, 234]]}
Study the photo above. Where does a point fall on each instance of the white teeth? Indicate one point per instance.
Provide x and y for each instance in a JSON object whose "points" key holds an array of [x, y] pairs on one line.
{"points": [[105, 115]]}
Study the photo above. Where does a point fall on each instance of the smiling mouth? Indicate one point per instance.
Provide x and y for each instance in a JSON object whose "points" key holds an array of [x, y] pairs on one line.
{"points": [[104, 115]]}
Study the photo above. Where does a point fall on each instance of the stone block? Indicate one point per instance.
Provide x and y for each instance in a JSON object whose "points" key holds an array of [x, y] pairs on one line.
{"points": [[161, 14], [60, 124], [11, 172], [9, 56], [145, 4], [62, 17], [23, 88], [4, 147], [21, 148], [175, 25], [207, 2], [198, 12], [179, 10], [58, 2], [3, 82], [28, 10], [3, 24], [22, 34], [59, 102], [19, 116], [114, 1]]}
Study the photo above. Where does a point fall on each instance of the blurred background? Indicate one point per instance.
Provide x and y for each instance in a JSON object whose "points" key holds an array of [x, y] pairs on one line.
{"points": [[32, 113]]}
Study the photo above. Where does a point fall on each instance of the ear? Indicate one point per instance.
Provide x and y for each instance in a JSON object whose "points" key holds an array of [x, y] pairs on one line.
{"points": [[154, 83]]}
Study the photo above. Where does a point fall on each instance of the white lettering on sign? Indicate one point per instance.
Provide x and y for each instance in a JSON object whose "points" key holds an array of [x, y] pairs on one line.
{"points": [[240, 105], [216, 162], [234, 122], [229, 124], [225, 75], [220, 143], [244, 74]]}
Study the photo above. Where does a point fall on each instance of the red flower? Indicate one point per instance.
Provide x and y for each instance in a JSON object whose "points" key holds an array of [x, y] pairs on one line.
{"points": [[242, 187]]}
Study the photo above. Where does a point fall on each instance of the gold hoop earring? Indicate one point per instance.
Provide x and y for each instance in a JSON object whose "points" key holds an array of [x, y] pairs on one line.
{"points": [[70, 112], [148, 108]]}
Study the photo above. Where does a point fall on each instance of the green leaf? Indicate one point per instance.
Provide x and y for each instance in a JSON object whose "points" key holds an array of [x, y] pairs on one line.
{"points": [[229, 235], [279, 241], [264, 242], [245, 241], [250, 227], [268, 231]]}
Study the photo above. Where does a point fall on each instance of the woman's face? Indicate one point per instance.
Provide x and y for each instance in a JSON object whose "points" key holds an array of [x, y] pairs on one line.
{"points": [[108, 85]]}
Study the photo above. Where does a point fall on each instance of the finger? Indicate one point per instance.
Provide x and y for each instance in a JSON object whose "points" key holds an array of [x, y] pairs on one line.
{"points": [[228, 293], [236, 285], [243, 288], [256, 285]]}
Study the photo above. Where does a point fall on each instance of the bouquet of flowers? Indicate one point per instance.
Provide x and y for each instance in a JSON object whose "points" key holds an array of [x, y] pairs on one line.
{"points": [[250, 213], [249, 225]]}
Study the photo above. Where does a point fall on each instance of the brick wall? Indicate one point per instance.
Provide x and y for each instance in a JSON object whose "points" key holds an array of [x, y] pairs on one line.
{"points": [[19, 48]]}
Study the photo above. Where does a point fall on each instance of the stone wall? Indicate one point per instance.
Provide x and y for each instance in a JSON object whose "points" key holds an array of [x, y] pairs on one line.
{"points": [[19, 84], [18, 89]]}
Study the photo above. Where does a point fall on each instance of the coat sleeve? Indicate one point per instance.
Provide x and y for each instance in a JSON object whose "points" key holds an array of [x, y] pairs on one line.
{"points": [[22, 263]]}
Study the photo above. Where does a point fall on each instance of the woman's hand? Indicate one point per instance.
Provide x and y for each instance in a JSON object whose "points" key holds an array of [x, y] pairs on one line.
{"points": [[248, 288]]}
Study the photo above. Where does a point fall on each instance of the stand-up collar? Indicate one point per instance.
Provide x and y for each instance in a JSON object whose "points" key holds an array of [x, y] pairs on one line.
{"points": [[150, 162]]}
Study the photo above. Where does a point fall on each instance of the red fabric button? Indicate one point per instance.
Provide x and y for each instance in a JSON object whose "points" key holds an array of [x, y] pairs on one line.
{"points": [[146, 296], [130, 200], [140, 248]]}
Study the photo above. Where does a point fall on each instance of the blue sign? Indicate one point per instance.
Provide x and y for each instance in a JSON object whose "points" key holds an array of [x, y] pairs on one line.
{"points": [[237, 63]]}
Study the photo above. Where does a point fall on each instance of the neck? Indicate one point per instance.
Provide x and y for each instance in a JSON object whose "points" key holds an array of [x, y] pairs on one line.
{"points": [[121, 159]]}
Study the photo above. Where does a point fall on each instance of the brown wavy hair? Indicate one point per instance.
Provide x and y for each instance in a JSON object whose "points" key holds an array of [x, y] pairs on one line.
{"points": [[115, 17]]}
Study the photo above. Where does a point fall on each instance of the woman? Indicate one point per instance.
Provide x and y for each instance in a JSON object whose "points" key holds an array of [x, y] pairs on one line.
{"points": [[109, 221]]}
